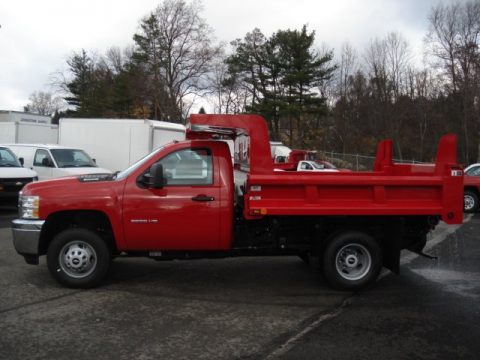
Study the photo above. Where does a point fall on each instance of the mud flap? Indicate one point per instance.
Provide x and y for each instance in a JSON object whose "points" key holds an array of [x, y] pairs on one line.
{"points": [[31, 259], [392, 245]]}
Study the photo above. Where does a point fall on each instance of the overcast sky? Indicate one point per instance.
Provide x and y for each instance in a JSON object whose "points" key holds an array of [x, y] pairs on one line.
{"points": [[36, 37]]}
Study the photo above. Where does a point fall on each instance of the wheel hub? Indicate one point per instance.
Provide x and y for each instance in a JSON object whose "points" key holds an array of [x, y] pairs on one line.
{"points": [[469, 202], [353, 261], [78, 259]]}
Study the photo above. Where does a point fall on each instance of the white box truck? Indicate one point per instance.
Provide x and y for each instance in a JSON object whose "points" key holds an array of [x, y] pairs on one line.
{"points": [[116, 144]]}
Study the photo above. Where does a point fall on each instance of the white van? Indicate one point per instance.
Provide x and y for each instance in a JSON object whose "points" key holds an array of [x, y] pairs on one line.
{"points": [[53, 161], [13, 177]]}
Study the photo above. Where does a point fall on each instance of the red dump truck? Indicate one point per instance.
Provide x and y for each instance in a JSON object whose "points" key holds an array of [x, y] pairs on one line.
{"points": [[181, 202]]}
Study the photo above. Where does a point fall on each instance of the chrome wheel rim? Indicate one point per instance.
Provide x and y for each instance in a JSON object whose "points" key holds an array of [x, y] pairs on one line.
{"points": [[468, 202], [353, 262], [77, 259]]}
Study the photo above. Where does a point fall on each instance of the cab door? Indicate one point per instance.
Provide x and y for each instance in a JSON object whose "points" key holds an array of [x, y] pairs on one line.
{"points": [[184, 214], [43, 164]]}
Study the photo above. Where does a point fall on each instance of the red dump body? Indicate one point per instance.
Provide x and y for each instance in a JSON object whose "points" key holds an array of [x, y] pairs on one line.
{"points": [[390, 189]]}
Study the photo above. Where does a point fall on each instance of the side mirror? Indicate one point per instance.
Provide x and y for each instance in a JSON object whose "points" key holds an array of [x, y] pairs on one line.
{"points": [[157, 181], [22, 161], [94, 161]]}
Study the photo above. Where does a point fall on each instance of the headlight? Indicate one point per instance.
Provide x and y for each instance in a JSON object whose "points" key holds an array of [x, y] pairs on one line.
{"points": [[28, 206]]}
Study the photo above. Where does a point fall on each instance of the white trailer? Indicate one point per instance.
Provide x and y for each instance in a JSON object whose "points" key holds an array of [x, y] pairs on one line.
{"points": [[7, 132], [117, 143], [25, 133]]}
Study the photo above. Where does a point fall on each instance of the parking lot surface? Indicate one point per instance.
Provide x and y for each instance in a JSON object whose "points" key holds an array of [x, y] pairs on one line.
{"points": [[245, 308]]}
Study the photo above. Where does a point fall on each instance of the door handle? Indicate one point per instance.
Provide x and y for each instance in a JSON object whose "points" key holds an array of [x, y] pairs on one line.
{"points": [[203, 198]]}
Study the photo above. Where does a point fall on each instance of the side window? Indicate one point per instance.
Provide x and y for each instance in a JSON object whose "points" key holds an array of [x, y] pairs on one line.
{"points": [[42, 158], [188, 167]]}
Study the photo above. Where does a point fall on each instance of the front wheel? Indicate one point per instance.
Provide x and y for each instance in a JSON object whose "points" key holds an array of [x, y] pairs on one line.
{"points": [[78, 258], [352, 261], [470, 202]]}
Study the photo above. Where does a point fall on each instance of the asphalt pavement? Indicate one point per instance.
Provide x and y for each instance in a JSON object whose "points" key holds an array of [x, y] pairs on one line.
{"points": [[245, 308], [431, 311]]}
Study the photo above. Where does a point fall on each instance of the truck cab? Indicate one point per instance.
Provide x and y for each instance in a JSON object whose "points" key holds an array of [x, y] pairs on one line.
{"points": [[191, 208]]}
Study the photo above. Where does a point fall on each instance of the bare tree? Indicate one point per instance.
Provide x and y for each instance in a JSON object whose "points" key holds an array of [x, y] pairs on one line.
{"points": [[453, 41], [347, 68], [343, 129], [422, 88], [43, 103], [375, 58], [442, 38], [398, 59], [174, 44], [229, 94], [388, 61], [115, 59]]}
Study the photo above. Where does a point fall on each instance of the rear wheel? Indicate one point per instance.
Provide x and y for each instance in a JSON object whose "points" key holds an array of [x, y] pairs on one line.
{"points": [[78, 258], [470, 202], [352, 261]]}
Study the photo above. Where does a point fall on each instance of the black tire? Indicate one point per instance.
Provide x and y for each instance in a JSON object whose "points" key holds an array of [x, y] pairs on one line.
{"points": [[78, 258], [470, 202], [352, 261]]}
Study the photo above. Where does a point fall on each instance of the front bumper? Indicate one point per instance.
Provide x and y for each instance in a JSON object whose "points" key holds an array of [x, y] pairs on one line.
{"points": [[26, 236]]}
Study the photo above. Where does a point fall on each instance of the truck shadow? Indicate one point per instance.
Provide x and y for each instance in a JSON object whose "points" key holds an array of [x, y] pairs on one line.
{"points": [[256, 280]]}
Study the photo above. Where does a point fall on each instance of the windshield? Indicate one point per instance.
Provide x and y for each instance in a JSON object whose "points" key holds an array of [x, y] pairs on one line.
{"points": [[323, 165], [123, 174], [474, 171], [66, 158], [8, 159]]}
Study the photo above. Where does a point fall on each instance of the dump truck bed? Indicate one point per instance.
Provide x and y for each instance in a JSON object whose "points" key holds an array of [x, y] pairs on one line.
{"points": [[391, 189], [366, 193]]}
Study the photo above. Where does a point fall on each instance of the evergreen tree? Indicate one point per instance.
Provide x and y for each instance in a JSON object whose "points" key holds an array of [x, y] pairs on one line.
{"points": [[283, 74]]}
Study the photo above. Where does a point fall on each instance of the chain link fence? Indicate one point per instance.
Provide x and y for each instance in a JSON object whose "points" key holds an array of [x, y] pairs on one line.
{"points": [[354, 161]]}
